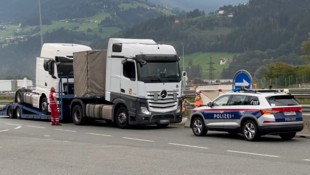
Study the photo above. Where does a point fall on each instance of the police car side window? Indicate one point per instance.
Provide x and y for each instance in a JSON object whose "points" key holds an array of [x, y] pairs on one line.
{"points": [[237, 100], [251, 100], [222, 101]]}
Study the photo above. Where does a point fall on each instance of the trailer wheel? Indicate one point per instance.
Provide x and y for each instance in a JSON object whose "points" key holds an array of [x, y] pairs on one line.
{"points": [[44, 105], [11, 112], [77, 115], [122, 117], [18, 112]]}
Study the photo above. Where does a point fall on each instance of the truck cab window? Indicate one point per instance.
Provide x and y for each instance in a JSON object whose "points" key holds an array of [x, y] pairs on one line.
{"points": [[129, 70]]}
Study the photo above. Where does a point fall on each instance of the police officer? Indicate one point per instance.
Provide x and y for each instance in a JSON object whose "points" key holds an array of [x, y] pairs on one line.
{"points": [[53, 106]]}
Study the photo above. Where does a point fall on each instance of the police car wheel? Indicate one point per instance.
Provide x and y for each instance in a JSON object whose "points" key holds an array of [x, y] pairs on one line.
{"points": [[287, 136], [198, 127], [249, 130]]}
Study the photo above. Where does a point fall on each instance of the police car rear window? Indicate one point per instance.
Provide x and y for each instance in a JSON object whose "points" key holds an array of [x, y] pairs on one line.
{"points": [[283, 100]]}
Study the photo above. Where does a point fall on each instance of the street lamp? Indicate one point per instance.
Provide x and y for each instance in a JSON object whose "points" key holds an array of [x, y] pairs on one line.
{"points": [[183, 57], [41, 34]]}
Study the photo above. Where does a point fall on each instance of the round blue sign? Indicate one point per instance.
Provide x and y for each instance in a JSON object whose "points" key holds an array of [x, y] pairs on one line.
{"points": [[242, 79]]}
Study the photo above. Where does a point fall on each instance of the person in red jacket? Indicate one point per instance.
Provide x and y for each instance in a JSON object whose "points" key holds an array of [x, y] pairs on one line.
{"points": [[53, 106]]}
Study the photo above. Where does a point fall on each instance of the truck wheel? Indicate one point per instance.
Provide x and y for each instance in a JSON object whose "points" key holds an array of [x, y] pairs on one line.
{"points": [[122, 117], [18, 97], [44, 105], [198, 126], [11, 112], [287, 136], [18, 112], [250, 130], [77, 115]]}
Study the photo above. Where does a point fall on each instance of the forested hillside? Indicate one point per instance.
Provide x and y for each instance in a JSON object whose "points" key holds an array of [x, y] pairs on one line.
{"points": [[258, 33], [264, 31], [73, 21]]}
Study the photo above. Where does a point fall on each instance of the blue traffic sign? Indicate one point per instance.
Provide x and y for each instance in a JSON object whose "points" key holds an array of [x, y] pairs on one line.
{"points": [[242, 79]]}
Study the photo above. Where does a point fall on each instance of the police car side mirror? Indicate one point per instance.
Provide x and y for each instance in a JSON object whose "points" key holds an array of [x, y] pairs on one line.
{"points": [[210, 104]]}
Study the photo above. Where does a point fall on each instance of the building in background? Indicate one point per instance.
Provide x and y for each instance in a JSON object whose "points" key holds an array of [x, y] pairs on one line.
{"points": [[13, 85]]}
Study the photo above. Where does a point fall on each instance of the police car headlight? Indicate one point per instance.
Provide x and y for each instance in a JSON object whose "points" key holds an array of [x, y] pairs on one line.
{"points": [[145, 111]]}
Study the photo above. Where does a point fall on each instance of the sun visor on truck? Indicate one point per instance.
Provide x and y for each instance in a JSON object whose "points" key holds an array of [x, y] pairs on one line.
{"points": [[154, 58], [89, 68]]}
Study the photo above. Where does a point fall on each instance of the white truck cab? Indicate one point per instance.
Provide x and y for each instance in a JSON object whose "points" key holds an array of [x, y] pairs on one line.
{"points": [[52, 62]]}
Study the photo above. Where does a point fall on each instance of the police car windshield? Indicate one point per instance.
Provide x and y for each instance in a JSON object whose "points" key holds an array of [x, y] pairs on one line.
{"points": [[283, 100]]}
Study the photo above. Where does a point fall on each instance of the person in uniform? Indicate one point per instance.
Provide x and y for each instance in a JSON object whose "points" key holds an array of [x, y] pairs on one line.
{"points": [[198, 100], [54, 109]]}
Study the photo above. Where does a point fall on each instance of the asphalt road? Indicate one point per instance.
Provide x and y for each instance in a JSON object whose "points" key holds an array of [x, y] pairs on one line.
{"points": [[32, 147]]}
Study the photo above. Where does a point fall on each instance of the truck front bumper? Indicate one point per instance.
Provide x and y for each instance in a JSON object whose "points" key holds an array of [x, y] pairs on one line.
{"points": [[155, 118]]}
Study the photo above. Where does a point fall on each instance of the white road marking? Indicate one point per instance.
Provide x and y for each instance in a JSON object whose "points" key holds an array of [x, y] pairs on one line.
{"points": [[65, 130], [136, 139], [4, 130], [191, 146], [12, 124], [249, 153], [39, 127], [308, 160], [97, 134], [18, 127], [46, 135]]}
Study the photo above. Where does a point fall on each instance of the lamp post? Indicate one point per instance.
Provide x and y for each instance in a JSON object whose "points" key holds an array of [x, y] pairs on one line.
{"points": [[183, 56], [41, 34]]}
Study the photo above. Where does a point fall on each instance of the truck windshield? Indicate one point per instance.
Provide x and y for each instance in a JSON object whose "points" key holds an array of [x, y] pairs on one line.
{"points": [[157, 71]]}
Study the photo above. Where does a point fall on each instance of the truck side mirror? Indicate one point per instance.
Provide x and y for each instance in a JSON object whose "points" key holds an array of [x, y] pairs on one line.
{"points": [[50, 66], [117, 48], [45, 65]]}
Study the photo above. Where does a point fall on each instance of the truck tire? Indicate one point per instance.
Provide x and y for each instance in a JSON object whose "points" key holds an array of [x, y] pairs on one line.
{"points": [[18, 112], [122, 117], [19, 97], [44, 105], [11, 112], [77, 115]]}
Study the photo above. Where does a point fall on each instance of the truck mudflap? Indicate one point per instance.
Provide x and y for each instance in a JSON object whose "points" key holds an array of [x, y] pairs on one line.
{"points": [[155, 118]]}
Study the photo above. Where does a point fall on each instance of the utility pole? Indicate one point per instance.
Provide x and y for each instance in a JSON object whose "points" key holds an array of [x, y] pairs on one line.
{"points": [[41, 34], [211, 69]]}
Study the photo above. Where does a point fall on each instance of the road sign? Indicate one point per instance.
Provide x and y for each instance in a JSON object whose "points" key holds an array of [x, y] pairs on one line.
{"points": [[242, 79]]}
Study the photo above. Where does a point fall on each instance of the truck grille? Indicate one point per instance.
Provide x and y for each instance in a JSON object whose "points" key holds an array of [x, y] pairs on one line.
{"points": [[162, 101]]}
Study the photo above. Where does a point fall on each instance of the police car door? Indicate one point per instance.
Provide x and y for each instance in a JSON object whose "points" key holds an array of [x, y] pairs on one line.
{"points": [[236, 110], [217, 115]]}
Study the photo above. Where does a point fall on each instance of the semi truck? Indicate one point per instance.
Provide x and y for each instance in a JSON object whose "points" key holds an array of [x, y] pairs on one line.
{"points": [[132, 82]]}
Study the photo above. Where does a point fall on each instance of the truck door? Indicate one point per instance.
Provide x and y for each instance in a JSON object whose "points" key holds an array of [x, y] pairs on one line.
{"points": [[129, 79]]}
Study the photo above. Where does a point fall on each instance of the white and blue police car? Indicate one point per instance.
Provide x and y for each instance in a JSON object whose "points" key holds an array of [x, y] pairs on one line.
{"points": [[252, 113]]}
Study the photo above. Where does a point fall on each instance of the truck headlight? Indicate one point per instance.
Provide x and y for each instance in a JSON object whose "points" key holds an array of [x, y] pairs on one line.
{"points": [[145, 111], [178, 109]]}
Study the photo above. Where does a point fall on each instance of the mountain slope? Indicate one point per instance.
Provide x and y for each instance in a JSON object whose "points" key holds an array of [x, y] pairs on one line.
{"points": [[188, 5]]}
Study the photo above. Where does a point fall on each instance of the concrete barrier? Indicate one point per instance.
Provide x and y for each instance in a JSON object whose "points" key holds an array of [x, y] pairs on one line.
{"points": [[306, 131]]}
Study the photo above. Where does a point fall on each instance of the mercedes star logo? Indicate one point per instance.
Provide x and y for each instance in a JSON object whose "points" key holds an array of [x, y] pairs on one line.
{"points": [[163, 94]]}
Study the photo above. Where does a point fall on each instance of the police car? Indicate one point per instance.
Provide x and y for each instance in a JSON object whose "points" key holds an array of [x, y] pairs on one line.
{"points": [[252, 113]]}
